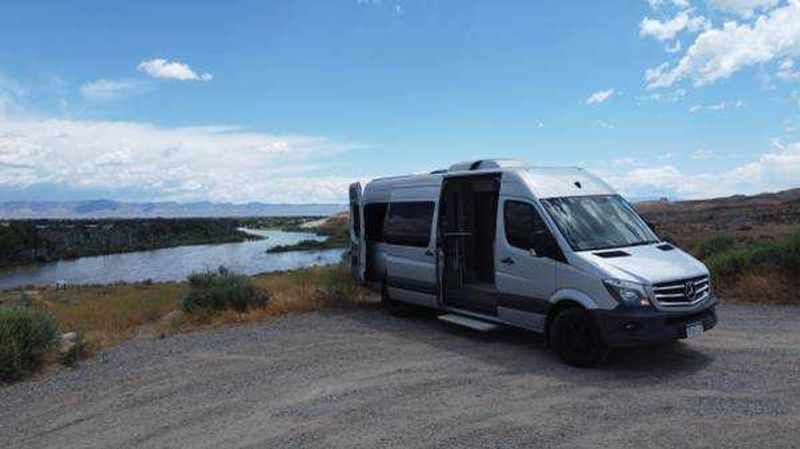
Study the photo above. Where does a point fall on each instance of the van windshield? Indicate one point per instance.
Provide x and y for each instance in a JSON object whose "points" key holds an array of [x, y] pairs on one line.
{"points": [[598, 222]]}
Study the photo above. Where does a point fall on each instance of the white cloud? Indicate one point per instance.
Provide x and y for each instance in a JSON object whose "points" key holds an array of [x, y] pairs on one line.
{"points": [[786, 71], [172, 70], [718, 53], [185, 163], [722, 105], [106, 90], [702, 153], [604, 125], [656, 4], [664, 97], [744, 8], [664, 31], [624, 161], [600, 96], [773, 171]]}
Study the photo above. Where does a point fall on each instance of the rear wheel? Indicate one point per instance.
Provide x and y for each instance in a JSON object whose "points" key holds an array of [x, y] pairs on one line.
{"points": [[576, 338], [397, 308]]}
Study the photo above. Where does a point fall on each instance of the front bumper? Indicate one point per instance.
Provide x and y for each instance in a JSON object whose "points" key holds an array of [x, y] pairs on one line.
{"points": [[629, 327]]}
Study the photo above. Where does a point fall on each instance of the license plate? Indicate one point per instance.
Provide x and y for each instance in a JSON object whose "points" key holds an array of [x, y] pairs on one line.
{"points": [[694, 330]]}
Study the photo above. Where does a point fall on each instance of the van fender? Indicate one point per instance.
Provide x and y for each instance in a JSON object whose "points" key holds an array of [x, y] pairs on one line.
{"points": [[560, 299], [569, 294]]}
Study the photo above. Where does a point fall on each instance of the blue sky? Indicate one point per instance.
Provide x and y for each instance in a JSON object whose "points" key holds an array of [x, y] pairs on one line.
{"points": [[290, 101]]}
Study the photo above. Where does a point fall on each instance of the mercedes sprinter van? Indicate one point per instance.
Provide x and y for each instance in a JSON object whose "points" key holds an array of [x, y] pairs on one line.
{"points": [[552, 250]]}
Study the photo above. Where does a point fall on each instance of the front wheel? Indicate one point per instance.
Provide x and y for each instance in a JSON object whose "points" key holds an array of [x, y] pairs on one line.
{"points": [[577, 339]]}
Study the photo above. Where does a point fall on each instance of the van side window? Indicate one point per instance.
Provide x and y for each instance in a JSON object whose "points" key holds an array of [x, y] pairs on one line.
{"points": [[374, 216], [409, 223], [526, 230]]}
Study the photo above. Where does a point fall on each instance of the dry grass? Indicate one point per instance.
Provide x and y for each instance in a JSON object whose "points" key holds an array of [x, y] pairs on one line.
{"points": [[761, 288], [108, 315], [105, 316], [290, 292]]}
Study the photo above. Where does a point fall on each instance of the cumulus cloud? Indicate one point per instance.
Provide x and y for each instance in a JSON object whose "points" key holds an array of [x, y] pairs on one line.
{"points": [[718, 53], [772, 171], [663, 31], [106, 90], [171, 70], [600, 96], [183, 163]]}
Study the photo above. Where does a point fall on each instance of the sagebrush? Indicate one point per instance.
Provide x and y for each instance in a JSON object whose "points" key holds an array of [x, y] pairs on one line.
{"points": [[27, 336], [220, 289]]}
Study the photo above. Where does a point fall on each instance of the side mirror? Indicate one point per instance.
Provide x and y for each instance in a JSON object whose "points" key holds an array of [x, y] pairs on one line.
{"points": [[532, 252]]}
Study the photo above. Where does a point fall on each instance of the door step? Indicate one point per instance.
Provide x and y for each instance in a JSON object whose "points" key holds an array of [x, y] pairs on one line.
{"points": [[472, 323]]}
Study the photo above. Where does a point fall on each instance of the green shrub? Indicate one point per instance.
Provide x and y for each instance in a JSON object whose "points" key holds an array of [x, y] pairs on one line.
{"points": [[779, 255], [222, 289], [27, 335], [714, 245]]}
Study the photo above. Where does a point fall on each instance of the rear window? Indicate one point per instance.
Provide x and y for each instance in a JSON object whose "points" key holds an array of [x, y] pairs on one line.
{"points": [[409, 223]]}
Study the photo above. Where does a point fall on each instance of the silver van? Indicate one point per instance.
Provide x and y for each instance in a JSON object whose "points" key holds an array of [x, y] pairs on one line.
{"points": [[552, 250]]}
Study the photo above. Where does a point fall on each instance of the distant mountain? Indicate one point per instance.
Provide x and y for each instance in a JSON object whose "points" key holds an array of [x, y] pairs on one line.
{"points": [[114, 209]]}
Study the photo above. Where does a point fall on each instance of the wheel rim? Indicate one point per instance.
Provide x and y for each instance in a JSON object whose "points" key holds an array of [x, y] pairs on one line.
{"points": [[579, 337]]}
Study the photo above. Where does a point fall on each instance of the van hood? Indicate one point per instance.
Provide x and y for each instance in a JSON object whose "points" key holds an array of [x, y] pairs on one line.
{"points": [[646, 264]]}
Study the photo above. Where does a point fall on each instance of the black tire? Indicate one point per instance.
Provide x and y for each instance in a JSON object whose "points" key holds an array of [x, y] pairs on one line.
{"points": [[577, 339], [396, 308]]}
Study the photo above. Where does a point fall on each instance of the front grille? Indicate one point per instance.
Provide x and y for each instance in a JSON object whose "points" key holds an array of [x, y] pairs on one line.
{"points": [[684, 292]]}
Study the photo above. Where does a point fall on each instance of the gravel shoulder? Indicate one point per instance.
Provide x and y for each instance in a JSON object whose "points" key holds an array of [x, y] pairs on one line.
{"points": [[364, 379]]}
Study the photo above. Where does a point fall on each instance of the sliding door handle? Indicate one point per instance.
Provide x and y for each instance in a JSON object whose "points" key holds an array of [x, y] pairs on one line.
{"points": [[508, 261]]}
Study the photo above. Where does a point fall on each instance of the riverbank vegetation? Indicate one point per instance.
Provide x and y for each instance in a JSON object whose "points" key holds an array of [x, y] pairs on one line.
{"points": [[334, 228], [27, 337], [28, 241], [103, 316]]}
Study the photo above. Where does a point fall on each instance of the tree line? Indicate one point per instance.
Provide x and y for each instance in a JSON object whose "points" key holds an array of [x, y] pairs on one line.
{"points": [[27, 241]]}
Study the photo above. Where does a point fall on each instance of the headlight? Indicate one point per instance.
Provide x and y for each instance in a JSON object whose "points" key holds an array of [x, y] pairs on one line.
{"points": [[627, 293]]}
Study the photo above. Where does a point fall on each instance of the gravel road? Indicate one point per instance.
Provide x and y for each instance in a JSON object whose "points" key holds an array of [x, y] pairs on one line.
{"points": [[362, 379]]}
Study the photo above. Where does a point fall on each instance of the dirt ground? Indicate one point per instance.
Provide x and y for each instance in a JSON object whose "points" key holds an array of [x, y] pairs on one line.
{"points": [[362, 379]]}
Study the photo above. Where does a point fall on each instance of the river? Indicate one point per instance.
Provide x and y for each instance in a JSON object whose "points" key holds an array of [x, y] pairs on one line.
{"points": [[173, 264]]}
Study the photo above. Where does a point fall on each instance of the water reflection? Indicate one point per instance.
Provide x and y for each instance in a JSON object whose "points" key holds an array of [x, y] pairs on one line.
{"points": [[173, 264]]}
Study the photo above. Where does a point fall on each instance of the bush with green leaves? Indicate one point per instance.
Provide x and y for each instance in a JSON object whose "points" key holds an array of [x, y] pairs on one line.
{"points": [[222, 289], [771, 255], [27, 335], [714, 245]]}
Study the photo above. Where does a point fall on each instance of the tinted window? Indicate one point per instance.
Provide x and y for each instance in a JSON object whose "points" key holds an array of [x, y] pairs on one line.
{"points": [[526, 230], [374, 217], [409, 223]]}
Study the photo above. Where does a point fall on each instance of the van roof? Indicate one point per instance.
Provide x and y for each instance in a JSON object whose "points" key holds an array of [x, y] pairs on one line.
{"points": [[544, 182]]}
